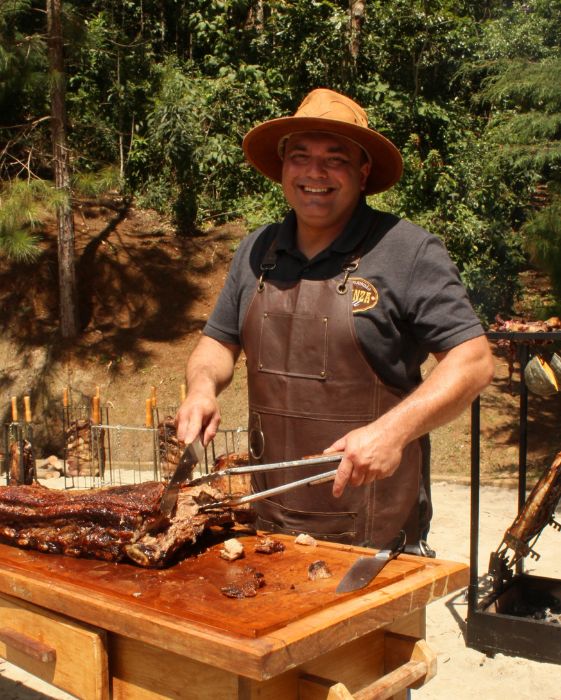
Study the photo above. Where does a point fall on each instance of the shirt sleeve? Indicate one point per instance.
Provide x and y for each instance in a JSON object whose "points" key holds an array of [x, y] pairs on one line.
{"points": [[438, 306], [223, 322]]}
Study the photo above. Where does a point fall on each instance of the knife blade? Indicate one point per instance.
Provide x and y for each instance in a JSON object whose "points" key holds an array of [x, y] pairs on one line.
{"points": [[366, 568], [192, 455]]}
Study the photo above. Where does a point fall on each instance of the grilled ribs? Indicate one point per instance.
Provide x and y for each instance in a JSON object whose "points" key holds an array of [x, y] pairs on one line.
{"points": [[115, 523]]}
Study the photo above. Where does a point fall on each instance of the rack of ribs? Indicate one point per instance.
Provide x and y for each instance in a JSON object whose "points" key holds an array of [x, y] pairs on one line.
{"points": [[115, 523]]}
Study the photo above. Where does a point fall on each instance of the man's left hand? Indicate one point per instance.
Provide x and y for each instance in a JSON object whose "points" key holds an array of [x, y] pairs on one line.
{"points": [[368, 455]]}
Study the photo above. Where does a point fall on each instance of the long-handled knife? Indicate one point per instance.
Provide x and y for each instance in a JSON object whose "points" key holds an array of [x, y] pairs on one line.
{"points": [[366, 568], [193, 454]]}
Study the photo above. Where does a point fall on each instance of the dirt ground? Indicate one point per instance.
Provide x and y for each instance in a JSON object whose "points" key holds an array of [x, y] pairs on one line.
{"points": [[145, 295]]}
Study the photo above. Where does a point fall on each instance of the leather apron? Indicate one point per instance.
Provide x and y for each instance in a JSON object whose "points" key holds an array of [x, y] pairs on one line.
{"points": [[309, 384]]}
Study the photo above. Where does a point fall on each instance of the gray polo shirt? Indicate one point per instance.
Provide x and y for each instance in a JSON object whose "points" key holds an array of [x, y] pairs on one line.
{"points": [[420, 304]]}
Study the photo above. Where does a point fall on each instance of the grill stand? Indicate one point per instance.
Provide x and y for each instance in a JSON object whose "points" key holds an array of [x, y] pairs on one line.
{"points": [[489, 628]]}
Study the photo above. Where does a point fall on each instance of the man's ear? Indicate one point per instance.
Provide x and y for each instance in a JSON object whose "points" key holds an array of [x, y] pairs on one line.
{"points": [[364, 173]]}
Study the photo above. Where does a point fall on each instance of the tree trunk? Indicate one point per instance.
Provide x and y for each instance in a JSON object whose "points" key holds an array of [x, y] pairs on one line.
{"points": [[69, 321], [357, 11]]}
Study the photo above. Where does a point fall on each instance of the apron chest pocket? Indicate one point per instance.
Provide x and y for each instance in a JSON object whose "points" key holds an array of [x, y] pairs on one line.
{"points": [[294, 345]]}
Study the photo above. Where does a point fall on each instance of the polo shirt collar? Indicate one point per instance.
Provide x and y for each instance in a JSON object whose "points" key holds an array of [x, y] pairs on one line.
{"points": [[346, 242]]}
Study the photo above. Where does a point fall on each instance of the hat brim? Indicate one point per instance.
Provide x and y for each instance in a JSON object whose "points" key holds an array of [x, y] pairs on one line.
{"points": [[260, 146]]}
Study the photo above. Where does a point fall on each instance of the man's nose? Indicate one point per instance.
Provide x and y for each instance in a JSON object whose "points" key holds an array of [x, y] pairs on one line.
{"points": [[317, 166]]}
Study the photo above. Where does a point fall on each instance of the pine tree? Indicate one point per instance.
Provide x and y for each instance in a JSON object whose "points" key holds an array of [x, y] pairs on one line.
{"points": [[528, 129]]}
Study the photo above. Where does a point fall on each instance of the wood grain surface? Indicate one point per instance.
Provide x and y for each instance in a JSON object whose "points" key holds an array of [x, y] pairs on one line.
{"points": [[182, 609]]}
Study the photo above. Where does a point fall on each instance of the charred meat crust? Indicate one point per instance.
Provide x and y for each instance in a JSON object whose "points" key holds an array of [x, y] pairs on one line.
{"points": [[114, 523]]}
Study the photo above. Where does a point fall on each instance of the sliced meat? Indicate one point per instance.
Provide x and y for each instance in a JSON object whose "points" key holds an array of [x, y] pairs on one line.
{"points": [[232, 549], [247, 585], [116, 523], [318, 569], [268, 545]]}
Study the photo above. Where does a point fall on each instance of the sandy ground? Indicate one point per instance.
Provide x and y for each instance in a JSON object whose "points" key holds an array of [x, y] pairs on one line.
{"points": [[463, 674]]}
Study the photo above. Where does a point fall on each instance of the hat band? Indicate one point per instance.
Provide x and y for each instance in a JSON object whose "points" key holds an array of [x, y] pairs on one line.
{"points": [[282, 143]]}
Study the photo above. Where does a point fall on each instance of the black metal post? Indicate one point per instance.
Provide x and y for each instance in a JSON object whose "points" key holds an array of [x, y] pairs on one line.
{"points": [[523, 355], [474, 522]]}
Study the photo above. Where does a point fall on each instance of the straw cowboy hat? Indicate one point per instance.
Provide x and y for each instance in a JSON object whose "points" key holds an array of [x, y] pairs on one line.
{"points": [[326, 111]]}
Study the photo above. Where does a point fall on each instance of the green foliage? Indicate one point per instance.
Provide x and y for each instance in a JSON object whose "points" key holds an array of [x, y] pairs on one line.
{"points": [[23, 89], [542, 232], [191, 144], [94, 184], [160, 95], [22, 205], [522, 91], [263, 208]]}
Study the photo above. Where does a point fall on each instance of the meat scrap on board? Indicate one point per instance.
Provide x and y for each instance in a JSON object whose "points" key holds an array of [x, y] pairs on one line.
{"points": [[115, 523]]}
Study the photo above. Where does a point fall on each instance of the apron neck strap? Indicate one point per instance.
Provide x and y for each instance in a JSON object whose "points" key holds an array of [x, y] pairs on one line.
{"points": [[350, 262]]}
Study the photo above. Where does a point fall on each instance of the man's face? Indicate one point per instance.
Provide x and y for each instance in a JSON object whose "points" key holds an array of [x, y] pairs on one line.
{"points": [[323, 176]]}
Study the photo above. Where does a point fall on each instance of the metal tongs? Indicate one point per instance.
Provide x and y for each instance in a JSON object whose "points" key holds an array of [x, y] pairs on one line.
{"points": [[231, 501]]}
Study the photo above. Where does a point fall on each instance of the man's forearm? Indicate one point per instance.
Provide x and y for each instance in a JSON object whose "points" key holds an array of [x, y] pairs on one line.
{"points": [[211, 366], [458, 378], [375, 451], [209, 370]]}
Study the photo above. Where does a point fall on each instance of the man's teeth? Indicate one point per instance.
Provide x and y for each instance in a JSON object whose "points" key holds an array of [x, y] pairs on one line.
{"points": [[316, 190]]}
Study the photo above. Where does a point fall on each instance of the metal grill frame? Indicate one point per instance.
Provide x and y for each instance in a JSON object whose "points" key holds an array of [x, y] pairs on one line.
{"points": [[495, 632]]}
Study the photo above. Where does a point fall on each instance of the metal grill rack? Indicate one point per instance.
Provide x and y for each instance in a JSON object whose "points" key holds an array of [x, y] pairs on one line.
{"points": [[491, 627], [124, 454], [98, 452], [17, 436]]}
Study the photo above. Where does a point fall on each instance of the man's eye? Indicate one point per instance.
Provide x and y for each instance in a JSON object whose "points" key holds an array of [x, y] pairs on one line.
{"points": [[336, 162], [298, 157]]}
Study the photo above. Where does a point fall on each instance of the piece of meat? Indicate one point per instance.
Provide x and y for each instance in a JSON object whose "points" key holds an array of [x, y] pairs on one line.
{"points": [[230, 459], [268, 545], [249, 582], [232, 549], [521, 325], [306, 540], [236, 484], [21, 458], [84, 451], [115, 523], [318, 569], [169, 446]]}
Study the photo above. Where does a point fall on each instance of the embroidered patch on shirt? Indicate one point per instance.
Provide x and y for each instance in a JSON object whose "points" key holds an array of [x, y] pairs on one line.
{"points": [[365, 295]]}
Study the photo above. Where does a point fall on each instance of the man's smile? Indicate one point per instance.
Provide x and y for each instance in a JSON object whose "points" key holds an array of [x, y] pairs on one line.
{"points": [[316, 190]]}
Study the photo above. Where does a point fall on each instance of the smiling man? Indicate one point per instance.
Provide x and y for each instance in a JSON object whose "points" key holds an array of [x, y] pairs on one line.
{"points": [[322, 179], [336, 308]]}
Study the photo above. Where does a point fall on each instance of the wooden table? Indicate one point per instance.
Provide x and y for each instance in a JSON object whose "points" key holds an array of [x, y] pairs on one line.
{"points": [[102, 630]]}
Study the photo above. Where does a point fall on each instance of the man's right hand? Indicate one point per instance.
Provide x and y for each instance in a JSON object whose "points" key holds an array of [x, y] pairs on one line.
{"points": [[209, 370], [198, 415]]}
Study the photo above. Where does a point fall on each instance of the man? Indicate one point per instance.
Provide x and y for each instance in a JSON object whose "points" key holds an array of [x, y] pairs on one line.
{"points": [[336, 309]]}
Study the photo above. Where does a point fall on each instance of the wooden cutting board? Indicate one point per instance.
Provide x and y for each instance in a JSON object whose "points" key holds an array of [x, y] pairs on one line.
{"points": [[191, 589]]}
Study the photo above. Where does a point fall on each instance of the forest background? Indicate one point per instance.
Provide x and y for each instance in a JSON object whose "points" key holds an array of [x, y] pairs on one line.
{"points": [[141, 106], [156, 97]]}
